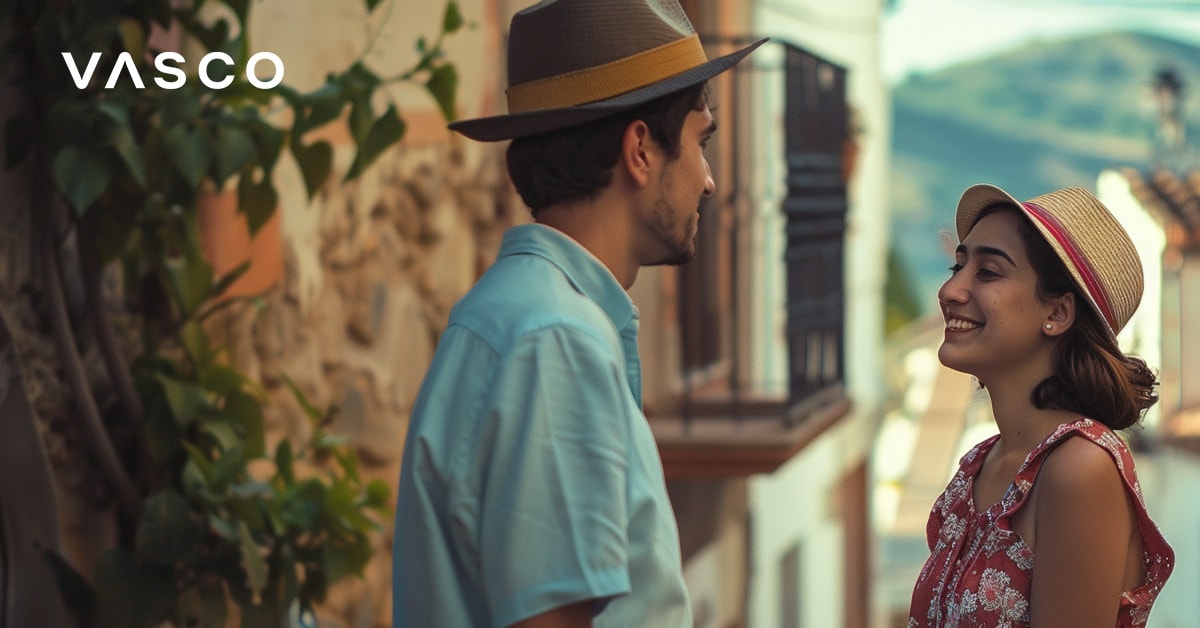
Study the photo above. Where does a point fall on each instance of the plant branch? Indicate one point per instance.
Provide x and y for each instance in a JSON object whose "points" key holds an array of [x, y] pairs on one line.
{"points": [[374, 37], [90, 267], [88, 414]]}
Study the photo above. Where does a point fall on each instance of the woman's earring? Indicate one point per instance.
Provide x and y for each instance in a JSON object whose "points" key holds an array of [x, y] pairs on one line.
{"points": [[1049, 326]]}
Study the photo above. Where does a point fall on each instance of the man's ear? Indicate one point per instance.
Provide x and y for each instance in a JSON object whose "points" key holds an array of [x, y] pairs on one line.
{"points": [[636, 151], [1062, 316]]}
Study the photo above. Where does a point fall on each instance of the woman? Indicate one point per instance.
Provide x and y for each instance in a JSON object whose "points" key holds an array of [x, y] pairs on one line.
{"points": [[1043, 524]]}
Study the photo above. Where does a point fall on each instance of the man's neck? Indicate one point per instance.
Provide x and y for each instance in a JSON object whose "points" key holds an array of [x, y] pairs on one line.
{"points": [[600, 227]]}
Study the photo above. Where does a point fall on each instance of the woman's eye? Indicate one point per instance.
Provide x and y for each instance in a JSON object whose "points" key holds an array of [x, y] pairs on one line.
{"points": [[955, 268]]}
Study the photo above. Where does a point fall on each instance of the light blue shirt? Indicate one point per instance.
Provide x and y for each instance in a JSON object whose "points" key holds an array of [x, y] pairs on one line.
{"points": [[530, 477]]}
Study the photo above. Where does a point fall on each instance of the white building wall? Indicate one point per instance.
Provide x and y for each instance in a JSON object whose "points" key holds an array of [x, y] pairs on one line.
{"points": [[792, 508], [1142, 336]]}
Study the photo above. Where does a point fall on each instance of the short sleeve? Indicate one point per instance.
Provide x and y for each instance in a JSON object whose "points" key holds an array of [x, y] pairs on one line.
{"points": [[552, 512]]}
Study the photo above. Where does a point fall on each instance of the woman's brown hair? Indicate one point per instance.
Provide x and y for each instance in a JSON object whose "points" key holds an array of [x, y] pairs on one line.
{"points": [[1092, 376]]}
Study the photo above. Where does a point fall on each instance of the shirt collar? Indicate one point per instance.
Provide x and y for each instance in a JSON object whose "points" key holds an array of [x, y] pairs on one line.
{"points": [[586, 273]]}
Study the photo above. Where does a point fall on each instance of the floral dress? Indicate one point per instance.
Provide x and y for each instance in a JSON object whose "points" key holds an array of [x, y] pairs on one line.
{"points": [[979, 570]]}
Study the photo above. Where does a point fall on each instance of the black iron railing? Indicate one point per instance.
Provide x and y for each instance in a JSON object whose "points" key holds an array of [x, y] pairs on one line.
{"points": [[712, 304]]}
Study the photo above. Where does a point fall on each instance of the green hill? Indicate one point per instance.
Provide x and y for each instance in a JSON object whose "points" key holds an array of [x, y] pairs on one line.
{"points": [[1042, 116]]}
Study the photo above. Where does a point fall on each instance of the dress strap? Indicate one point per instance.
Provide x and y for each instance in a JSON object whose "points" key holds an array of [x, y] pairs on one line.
{"points": [[1159, 557]]}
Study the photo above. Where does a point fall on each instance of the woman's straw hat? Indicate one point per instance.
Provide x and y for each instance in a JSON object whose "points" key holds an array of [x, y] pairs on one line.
{"points": [[574, 61], [1085, 236]]}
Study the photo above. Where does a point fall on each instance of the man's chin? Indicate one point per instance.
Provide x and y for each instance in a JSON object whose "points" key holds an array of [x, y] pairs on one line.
{"points": [[677, 257]]}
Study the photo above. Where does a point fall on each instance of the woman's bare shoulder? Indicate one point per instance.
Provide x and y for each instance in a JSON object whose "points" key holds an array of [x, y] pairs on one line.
{"points": [[1082, 472]]}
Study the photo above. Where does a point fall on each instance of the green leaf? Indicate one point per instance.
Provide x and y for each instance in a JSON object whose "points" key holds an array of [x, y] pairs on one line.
{"points": [[269, 141], [310, 410], [81, 175], [195, 342], [235, 148], [341, 506], [249, 511], [213, 37], [203, 607], [76, 591], [320, 106], [221, 379], [195, 481], [324, 441], [121, 139], [242, 92], [224, 434], [191, 150], [162, 432], [228, 278], [300, 504], [228, 466], [133, 37], [131, 594], [442, 85], [378, 493], [222, 527], [253, 564], [339, 560], [348, 461], [115, 231], [283, 461], [185, 399], [452, 20], [115, 124], [278, 527], [385, 132], [360, 120], [203, 463], [245, 411], [191, 282], [256, 200], [167, 531], [316, 162], [180, 107], [252, 489], [358, 82], [114, 110]]}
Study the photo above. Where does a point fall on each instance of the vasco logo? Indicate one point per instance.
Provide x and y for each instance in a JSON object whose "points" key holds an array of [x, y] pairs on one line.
{"points": [[163, 62]]}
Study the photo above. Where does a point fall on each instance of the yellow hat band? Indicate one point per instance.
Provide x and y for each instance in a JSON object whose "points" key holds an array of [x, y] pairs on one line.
{"points": [[608, 80]]}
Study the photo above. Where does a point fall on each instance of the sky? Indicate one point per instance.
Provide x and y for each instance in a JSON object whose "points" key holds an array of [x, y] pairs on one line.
{"points": [[924, 35]]}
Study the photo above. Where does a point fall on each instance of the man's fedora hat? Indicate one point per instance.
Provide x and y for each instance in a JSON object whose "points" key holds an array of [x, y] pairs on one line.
{"points": [[574, 61], [1084, 235]]}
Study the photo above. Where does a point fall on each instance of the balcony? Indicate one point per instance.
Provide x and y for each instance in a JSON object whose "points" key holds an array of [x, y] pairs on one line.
{"points": [[767, 281]]}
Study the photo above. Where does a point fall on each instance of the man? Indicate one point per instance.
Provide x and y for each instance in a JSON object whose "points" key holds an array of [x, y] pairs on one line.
{"points": [[531, 491]]}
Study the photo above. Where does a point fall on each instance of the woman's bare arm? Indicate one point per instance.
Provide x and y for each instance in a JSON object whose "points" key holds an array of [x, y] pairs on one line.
{"points": [[1085, 521]]}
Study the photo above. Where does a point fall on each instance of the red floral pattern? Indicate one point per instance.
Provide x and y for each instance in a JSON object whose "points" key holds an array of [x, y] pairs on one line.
{"points": [[979, 570]]}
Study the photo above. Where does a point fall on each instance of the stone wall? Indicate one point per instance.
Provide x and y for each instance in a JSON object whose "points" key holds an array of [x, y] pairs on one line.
{"points": [[372, 269]]}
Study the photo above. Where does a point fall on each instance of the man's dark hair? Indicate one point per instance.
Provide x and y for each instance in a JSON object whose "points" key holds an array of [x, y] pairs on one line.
{"points": [[577, 162]]}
